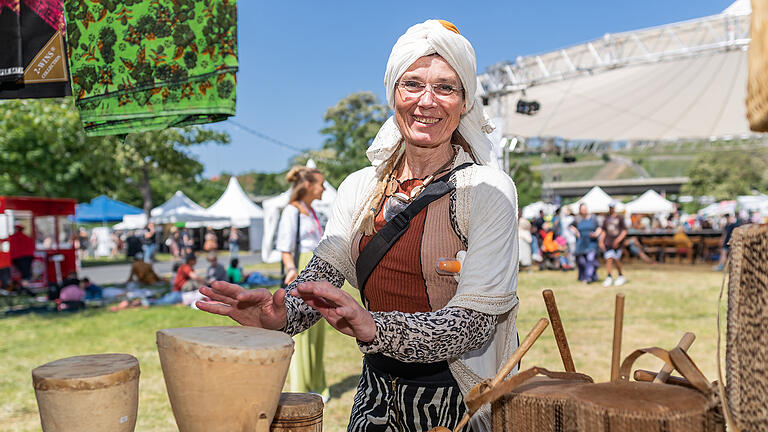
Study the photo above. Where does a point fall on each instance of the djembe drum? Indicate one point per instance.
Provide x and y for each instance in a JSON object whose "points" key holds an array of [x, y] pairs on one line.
{"points": [[747, 338], [224, 378], [298, 412], [539, 404], [90, 393]]}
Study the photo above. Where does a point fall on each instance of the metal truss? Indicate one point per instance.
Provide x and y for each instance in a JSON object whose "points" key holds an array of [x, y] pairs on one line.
{"points": [[673, 41]]}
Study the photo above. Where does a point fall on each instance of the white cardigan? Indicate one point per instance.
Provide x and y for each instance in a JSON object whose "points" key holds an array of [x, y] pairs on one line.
{"points": [[486, 214]]}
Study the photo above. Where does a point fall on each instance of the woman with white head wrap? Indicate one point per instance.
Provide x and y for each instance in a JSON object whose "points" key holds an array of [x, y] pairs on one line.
{"points": [[427, 337]]}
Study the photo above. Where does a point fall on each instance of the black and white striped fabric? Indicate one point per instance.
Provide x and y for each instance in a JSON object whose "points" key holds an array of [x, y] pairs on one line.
{"points": [[388, 404]]}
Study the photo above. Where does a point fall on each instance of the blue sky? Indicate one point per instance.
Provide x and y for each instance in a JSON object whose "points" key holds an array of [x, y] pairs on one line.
{"points": [[299, 58]]}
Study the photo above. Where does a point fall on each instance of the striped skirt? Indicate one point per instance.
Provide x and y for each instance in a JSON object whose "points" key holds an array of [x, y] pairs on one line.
{"points": [[384, 403]]}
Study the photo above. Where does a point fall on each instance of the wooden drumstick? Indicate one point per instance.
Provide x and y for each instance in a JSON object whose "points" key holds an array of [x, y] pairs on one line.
{"points": [[618, 324], [513, 360], [557, 328], [685, 342], [527, 343]]}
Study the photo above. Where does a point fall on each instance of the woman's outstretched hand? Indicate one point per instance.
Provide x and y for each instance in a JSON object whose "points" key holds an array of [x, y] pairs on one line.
{"points": [[340, 309], [256, 308]]}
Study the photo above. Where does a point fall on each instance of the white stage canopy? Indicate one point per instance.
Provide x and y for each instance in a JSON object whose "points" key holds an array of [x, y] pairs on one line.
{"points": [[650, 202], [675, 82], [597, 201]]}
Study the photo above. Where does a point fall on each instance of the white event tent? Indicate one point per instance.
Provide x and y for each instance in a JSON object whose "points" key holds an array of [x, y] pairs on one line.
{"points": [[180, 208], [531, 211], [237, 210], [273, 208], [597, 201], [650, 202]]}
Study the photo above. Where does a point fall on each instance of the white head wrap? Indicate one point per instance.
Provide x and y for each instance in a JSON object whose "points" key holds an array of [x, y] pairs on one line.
{"points": [[427, 38]]}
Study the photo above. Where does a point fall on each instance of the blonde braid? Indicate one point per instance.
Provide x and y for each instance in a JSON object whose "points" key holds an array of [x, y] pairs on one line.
{"points": [[367, 226]]}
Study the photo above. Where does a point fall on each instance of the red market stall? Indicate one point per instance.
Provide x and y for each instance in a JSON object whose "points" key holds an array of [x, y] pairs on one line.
{"points": [[48, 230]]}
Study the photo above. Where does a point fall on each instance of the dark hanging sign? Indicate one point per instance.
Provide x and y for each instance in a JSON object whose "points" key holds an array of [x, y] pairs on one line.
{"points": [[34, 65]]}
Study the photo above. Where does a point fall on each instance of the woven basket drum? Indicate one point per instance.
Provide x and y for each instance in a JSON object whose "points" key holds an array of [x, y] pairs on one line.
{"points": [[746, 357], [90, 393], [757, 85], [298, 412], [538, 405], [642, 407]]}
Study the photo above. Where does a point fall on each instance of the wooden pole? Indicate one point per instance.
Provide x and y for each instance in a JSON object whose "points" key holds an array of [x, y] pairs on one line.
{"points": [[557, 328], [618, 324]]}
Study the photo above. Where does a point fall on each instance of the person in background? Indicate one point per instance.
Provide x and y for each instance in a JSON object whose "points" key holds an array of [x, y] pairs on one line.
{"points": [[215, 271], [298, 234], [22, 252], [173, 243], [234, 246], [186, 278], [525, 239], [92, 291], [235, 273], [683, 244], [610, 241], [187, 242], [566, 220], [210, 243], [133, 245], [732, 222], [586, 230], [82, 243], [148, 242], [142, 271]]}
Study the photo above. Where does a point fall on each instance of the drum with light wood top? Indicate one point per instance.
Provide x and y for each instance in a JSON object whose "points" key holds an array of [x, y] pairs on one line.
{"points": [[224, 378], [90, 393], [298, 412]]}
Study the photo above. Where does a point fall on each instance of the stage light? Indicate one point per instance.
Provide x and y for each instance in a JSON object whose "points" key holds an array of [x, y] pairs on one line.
{"points": [[527, 107]]}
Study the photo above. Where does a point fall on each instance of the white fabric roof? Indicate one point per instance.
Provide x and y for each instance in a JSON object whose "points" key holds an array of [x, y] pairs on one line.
{"points": [[650, 202], [685, 98], [235, 205], [739, 7], [179, 208], [597, 202], [132, 222], [532, 210]]}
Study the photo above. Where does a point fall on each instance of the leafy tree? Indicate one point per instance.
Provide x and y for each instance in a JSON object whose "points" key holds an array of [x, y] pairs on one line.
{"points": [[352, 125], [149, 156], [725, 175], [527, 181], [45, 152]]}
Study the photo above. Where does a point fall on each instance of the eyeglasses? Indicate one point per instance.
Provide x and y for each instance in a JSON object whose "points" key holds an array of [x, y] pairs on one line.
{"points": [[413, 89]]}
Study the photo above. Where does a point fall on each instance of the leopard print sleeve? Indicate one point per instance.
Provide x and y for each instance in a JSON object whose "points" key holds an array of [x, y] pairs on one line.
{"points": [[428, 337], [301, 316]]}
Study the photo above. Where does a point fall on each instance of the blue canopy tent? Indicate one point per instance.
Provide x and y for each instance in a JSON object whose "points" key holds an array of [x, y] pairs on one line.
{"points": [[104, 209]]}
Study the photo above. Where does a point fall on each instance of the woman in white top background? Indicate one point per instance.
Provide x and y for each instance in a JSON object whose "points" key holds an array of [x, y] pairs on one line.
{"points": [[300, 226]]}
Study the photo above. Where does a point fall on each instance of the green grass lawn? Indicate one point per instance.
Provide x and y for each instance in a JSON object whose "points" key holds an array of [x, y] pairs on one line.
{"points": [[662, 302]]}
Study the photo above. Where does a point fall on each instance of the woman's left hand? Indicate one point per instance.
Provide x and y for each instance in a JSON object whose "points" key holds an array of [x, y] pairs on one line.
{"points": [[339, 308]]}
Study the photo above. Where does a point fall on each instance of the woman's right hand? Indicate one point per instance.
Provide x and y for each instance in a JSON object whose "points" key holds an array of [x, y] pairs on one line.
{"points": [[256, 308]]}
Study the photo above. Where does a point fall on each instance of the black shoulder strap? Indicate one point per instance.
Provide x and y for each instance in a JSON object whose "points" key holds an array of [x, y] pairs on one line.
{"points": [[297, 250], [390, 233]]}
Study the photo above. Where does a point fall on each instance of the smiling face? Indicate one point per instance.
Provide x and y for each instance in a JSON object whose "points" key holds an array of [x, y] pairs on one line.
{"points": [[426, 120], [315, 190]]}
